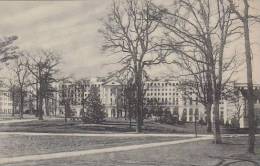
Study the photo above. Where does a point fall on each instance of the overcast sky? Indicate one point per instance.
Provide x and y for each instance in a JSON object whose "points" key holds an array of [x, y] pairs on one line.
{"points": [[71, 28]]}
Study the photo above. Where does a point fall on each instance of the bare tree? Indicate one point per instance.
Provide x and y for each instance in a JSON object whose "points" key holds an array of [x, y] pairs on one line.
{"points": [[199, 30], [13, 89], [198, 81], [21, 75], [44, 69], [130, 31], [125, 77], [66, 98], [82, 86], [245, 18]]}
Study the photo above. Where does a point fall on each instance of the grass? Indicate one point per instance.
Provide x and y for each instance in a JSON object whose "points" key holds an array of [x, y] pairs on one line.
{"points": [[202, 153], [19, 145], [109, 126]]}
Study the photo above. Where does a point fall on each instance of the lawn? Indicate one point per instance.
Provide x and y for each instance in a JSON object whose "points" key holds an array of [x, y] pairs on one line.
{"points": [[202, 153], [19, 145], [109, 126]]}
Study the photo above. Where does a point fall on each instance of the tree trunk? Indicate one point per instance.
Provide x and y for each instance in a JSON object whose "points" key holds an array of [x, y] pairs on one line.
{"points": [[37, 101], [195, 127], [250, 96], [40, 103], [138, 81], [208, 113], [216, 121], [47, 106], [21, 103], [13, 105]]}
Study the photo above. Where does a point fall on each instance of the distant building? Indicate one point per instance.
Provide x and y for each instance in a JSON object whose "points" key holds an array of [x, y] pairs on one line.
{"points": [[168, 94], [5, 98], [74, 93], [242, 88]]}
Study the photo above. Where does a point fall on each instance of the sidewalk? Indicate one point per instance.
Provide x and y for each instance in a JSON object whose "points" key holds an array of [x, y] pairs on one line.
{"points": [[26, 120], [16, 120], [104, 135]]}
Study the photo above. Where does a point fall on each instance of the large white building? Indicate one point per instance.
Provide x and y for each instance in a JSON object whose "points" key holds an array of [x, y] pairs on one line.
{"points": [[5, 98], [171, 98]]}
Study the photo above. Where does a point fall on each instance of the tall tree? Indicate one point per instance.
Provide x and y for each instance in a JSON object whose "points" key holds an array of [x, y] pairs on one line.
{"points": [[13, 89], [21, 75], [44, 68], [245, 18], [130, 31], [198, 30]]}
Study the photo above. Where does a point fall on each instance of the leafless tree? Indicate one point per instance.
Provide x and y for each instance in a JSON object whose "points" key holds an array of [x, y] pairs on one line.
{"points": [[44, 68], [130, 31], [21, 73], [245, 18], [199, 31], [82, 86], [66, 98]]}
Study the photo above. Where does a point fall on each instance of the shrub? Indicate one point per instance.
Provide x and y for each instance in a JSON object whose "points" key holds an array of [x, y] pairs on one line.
{"points": [[168, 118], [94, 108]]}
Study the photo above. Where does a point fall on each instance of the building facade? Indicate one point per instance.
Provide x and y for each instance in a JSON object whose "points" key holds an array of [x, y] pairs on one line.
{"points": [[6, 104]]}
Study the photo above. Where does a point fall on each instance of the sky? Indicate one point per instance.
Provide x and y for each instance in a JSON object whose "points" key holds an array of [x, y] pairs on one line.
{"points": [[71, 29]]}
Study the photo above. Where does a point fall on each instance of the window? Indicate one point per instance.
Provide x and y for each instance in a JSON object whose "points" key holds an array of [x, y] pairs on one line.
{"points": [[184, 115], [222, 115], [190, 115], [197, 114]]}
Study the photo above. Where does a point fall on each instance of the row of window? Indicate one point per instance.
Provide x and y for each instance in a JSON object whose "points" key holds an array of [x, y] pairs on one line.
{"points": [[157, 89], [192, 114], [162, 84], [190, 101], [163, 100], [155, 94]]}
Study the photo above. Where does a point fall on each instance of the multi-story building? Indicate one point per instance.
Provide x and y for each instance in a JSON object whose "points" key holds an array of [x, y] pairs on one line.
{"points": [[5, 98], [241, 108], [109, 92], [168, 94], [74, 93], [112, 98]]}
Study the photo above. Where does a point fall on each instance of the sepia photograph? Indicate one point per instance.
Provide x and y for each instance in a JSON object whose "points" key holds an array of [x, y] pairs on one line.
{"points": [[129, 83]]}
